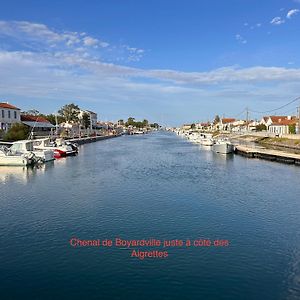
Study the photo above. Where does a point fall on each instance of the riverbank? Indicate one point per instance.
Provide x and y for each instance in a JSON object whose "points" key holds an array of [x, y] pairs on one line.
{"points": [[276, 142], [282, 150], [268, 154]]}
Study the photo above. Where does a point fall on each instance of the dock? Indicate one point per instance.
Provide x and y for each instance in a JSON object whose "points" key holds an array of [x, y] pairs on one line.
{"points": [[92, 139], [268, 154]]}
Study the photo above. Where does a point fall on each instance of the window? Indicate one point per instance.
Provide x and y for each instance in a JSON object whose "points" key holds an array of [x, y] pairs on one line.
{"points": [[9, 114], [15, 114], [3, 115]]}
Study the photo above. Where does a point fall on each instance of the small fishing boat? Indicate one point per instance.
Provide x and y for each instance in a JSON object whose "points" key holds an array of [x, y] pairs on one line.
{"points": [[223, 147]]}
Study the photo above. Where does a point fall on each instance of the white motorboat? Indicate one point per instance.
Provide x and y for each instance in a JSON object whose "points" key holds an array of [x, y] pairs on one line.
{"points": [[59, 147], [27, 146], [8, 158], [223, 147], [207, 142], [206, 139], [193, 136]]}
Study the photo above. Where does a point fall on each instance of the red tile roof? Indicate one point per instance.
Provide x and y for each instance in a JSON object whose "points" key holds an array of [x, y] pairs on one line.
{"points": [[285, 122], [278, 118], [6, 105], [227, 120], [30, 118]]}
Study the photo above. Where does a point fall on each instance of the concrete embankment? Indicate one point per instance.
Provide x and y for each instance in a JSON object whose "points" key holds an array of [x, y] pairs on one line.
{"points": [[92, 139], [268, 154], [280, 143]]}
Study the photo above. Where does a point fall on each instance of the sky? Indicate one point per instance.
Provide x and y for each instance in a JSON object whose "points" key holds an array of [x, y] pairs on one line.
{"points": [[170, 62]]}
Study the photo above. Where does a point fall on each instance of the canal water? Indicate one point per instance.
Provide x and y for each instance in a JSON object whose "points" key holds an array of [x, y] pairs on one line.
{"points": [[152, 186]]}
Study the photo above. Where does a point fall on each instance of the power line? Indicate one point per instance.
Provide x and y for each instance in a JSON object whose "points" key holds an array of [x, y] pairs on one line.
{"points": [[278, 108], [239, 114]]}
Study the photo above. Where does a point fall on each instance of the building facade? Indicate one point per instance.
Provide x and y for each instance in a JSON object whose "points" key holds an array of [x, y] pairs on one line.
{"points": [[92, 115], [9, 115]]}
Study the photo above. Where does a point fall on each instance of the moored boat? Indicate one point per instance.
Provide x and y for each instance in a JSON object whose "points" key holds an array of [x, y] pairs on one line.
{"points": [[223, 147], [8, 158], [59, 147], [27, 146]]}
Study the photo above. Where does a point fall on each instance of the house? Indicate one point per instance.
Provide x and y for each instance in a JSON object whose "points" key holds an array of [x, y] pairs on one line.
{"points": [[39, 126], [203, 126], [226, 124], [186, 126], [238, 126], [282, 126], [278, 119], [9, 115], [264, 121], [92, 115]]}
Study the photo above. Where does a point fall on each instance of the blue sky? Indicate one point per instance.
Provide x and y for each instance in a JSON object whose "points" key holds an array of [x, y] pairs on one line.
{"points": [[168, 61]]}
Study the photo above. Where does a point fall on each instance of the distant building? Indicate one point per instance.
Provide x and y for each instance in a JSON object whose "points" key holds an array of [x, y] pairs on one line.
{"points": [[282, 126], [9, 115], [37, 125], [226, 124], [92, 115], [186, 126], [264, 121], [279, 124]]}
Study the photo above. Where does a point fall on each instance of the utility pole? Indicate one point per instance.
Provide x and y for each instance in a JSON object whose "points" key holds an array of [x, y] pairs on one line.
{"points": [[298, 111], [247, 118]]}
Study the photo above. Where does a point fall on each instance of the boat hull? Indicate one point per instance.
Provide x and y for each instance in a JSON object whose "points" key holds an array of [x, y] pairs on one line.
{"points": [[45, 155], [15, 161], [223, 148]]}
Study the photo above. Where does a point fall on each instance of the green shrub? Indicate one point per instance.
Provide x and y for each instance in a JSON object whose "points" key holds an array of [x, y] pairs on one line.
{"points": [[17, 132], [292, 129]]}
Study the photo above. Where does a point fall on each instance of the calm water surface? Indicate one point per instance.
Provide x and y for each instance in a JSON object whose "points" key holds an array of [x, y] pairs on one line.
{"points": [[160, 186]]}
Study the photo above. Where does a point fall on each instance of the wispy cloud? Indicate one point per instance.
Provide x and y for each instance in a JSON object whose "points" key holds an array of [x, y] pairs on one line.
{"points": [[292, 12], [240, 39], [40, 37], [277, 21]]}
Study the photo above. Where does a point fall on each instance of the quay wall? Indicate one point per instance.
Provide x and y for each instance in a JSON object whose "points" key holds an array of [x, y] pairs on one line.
{"points": [[92, 139], [271, 155]]}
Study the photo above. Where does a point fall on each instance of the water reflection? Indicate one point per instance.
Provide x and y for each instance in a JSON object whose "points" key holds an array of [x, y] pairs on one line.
{"points": [[22, 174]]}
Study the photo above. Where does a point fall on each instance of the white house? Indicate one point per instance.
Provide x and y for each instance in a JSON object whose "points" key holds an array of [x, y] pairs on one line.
{"points": [[282, 126], [9, 115], [226, 124], [93, 117]]}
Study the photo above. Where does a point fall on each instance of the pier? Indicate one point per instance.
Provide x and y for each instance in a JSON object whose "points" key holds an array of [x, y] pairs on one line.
{"points": [[268, 154]]}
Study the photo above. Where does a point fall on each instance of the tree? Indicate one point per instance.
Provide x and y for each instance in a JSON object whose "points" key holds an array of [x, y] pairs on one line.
{"points": [[292, 129], [145, 123], [52, 119], [130, 122], [261, 127], [154, 125], [85, 120], [17, 132], [193, 126], [121, 122], [70, 112], [216, 120]]}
